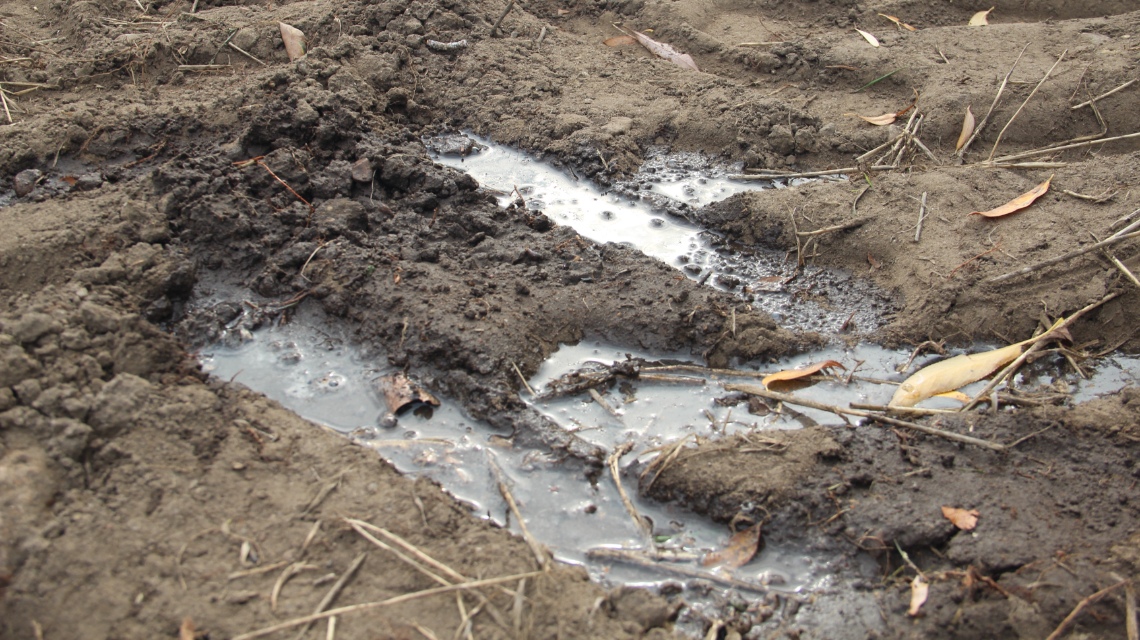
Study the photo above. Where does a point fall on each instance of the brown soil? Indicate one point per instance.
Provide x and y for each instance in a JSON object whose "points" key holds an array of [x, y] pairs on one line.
{"points": [[130, 482]]}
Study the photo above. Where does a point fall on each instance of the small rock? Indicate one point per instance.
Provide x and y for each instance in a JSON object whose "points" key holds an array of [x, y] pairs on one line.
{"points": [[362, 170], [88, 182], [26, 181], [618, 125]]}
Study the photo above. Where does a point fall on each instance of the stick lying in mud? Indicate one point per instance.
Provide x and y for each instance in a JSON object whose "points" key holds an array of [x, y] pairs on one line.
{"points": [[407, 597], [808, 174], [1001, 89], [417, 559], [1118, 237], [495, 29], [1034, 345], [540, 554], [638, 521], [1093, 599], [914, 426], [641, 560], [334, 591], [1103, 95], [1027, 99]]}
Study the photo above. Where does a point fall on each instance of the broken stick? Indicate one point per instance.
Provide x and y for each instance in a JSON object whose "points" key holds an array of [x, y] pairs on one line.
{"points": [[754, 390]]}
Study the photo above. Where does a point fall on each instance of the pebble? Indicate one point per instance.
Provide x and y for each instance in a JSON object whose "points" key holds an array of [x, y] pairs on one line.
{"points": [[26, 181]]}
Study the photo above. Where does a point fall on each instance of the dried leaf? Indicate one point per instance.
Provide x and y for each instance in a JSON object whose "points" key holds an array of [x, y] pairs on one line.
{"points": [[187, 631], [563, 12], [618, 41], [666, 52], [955, 395], [294, 40], [881, 121], [967, 129], [1018, 203], [963, 519], [796, 374], [741, 547], [919, 589], [898, 22], [870, 38], [399, 392], [875, 264], [981, 18], [952, 374]]}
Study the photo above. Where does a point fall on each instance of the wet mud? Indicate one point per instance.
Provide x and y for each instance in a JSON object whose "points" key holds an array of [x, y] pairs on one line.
{"points": [[148, 154]]}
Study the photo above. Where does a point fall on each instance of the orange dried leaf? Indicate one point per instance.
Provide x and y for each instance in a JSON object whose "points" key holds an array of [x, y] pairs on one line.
{"points": [[919, 589], [967, 129], [294, 40], [741, 547], [618, 41], [1018, 203], [981, 18], [898, 22], [961, 518], [796, 374], [869, 38], [666, 52]]}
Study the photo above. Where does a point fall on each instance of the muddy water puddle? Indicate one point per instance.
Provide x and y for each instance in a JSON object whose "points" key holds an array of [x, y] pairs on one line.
{"points": [[648, 212], [312, 367]]}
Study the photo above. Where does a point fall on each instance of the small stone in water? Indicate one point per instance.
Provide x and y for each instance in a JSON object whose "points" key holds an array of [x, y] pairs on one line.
{"points": [[388, 421], [26, 181]]}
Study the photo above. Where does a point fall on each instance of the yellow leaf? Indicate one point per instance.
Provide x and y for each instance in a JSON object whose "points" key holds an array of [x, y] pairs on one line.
{"points": [[881, 121], [952, 374], [981, 18], [739, 550], [919, 589], [898, 22], [796, 374], [618, 41], [870, 38], [967, 129], [294, 40], [1018, 203], [963, 519]]}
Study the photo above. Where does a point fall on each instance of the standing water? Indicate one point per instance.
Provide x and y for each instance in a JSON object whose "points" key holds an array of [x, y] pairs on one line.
{"points": [[310, 366]]}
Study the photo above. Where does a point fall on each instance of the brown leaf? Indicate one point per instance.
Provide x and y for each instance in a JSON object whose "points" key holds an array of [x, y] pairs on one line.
{"points": [[187, 631], [666, 52], [741, 547], [875, 264], [870, 38], [803, 372], [1018, 203], [294, 40], [618, 41], [898, 22], [981, 18], [964, 520], [919, 589], [967, 129], [399, 392]]}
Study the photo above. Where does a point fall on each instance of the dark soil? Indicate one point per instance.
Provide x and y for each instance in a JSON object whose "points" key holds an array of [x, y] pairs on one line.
{"points": [[137, 492]]}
